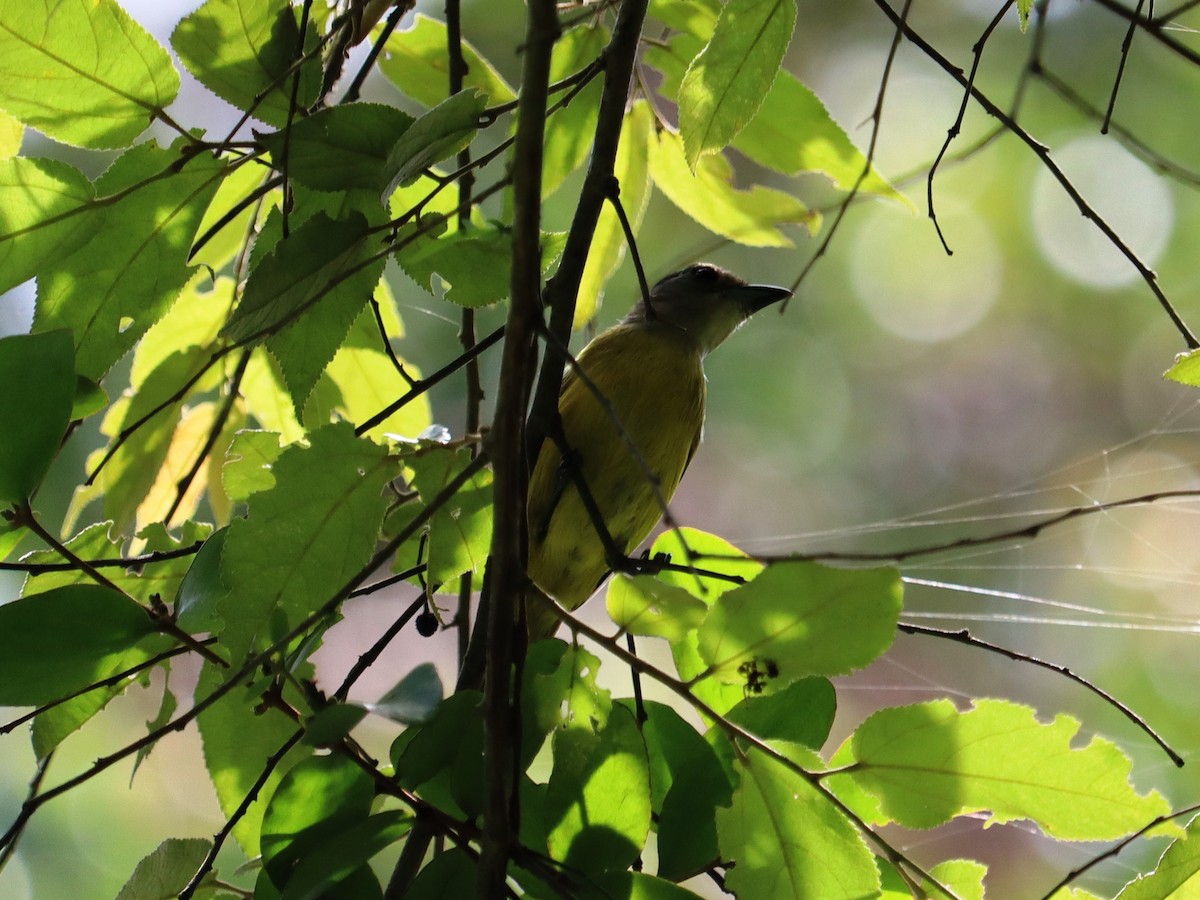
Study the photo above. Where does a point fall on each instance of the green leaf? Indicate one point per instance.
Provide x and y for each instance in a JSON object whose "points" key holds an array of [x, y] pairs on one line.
{"points": [[1186, 369], [238, 740], [443, 759], [318, 799], [296, 275], [81, 71], [800, 618], [241, 49], [689, 784], [962, 876], [1024, 7], [570, 130], [928, 763], [57, 642], [801, 713], [635, 886], [1177, 873], [111, 290], [598, 798], [460, 533], [167, 870], [12, 132], [449, 874], [632, 172], [248, 463], [202, 588], [332, 724], [33, 422], [44, 216], [415, 698], [786, 839], [416, 62], [748, 217], [304, 538], [794, 132], [341, 148], [646, 606], [89, 398], [475, 263], [439, 134], [725, 85], [343, 855]]}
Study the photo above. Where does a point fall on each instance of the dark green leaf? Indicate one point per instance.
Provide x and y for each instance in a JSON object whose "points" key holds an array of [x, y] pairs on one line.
{"points": [[54, 643], [414, 699], [82, 71], [33, 421], [449, 874], [460, 533], [332, 724], [240, 49], [202, 588], [341, 148], [439, 134], [444, 758], [167, 870], [90, 398], [345, 853], [304, 538]]}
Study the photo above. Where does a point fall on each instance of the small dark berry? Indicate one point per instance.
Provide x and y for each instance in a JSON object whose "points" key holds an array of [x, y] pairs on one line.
{"points": [[427, 624]]}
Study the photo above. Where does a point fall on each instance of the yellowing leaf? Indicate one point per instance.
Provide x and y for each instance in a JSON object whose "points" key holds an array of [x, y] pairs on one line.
{"points": [[749, 217]]}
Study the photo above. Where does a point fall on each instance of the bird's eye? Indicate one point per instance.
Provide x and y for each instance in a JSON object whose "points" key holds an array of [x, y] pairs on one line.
{"points": [[704, 272]]}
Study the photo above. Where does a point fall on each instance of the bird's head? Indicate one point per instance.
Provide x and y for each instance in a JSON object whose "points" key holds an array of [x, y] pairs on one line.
{"points": [[707, 302]]}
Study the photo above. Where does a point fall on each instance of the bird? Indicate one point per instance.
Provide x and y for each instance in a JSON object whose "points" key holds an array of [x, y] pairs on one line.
{"points": [[649, 370]]}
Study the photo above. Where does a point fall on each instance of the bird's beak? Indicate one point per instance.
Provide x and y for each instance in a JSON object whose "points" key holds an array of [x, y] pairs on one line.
{"points": [[754, 297]]}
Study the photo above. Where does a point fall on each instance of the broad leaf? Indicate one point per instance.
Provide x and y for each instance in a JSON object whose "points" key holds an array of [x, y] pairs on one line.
{"points": [[1177, 873], [598, 798], [33, 422], [82, 71], [341, 148], [460, 533], [167, 870], [749, 217], [443, 759], [797, 619], [44, 217], [414, 699], [1186, 369], [60, 641], [304, 538], [570, 129], [725, 85], [928, 763], [786, 838], [338, 865], [12, 132], [112, 289], [243, 51], [416, 62], [439, 134], [645, 605]]}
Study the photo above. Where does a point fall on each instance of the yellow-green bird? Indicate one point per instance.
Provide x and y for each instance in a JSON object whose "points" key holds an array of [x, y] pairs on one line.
{"points": [[650, 369]]}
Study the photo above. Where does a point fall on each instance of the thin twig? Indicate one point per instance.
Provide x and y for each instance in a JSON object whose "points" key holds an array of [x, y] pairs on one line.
{"points": [[1125, 47]]}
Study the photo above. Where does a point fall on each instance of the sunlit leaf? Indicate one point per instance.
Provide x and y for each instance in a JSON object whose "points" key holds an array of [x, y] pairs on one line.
{"points": [[928, 763], [44, 217], [797, 619], [749, 217], [725, 85], [1024, 7], [962, 876], [11, 134], [416, 62], [81, 71], [571, 129], [1177, 873], [646, 606], [460, 533], [113, 288], [243, 51], [801, 713], [794, 133], [598, 798], [33, 422], [632, 172], [788, 840], [1186, 369]]}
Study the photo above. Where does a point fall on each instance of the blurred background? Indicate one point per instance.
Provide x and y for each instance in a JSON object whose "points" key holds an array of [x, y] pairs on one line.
{"points": [[905, 398]]}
